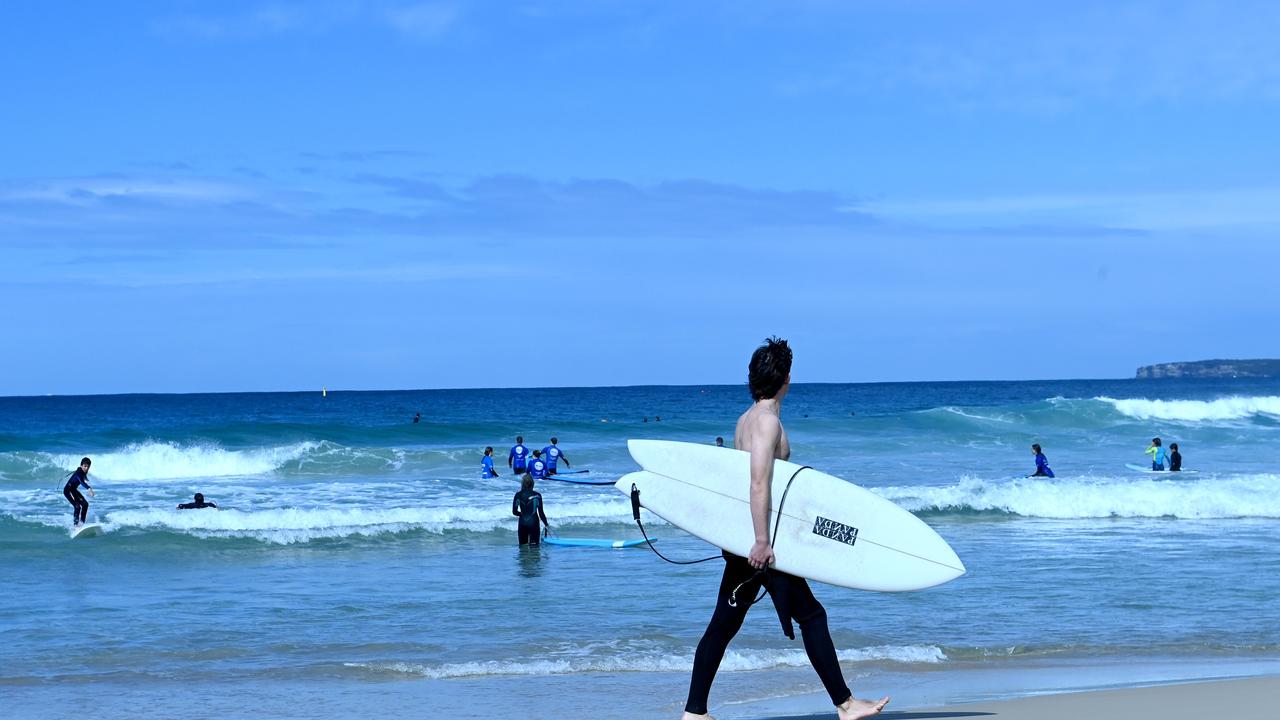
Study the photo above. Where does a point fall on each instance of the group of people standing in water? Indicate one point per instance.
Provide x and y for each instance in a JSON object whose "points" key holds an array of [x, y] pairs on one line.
{"points": [[537, 463], [531, 466], [1157, 452]]}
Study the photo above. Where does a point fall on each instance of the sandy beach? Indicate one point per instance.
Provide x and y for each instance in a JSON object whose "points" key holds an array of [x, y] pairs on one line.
{"points": [[1242, 699]]}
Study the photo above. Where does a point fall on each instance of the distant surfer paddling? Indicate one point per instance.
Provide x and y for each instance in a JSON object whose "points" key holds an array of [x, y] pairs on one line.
{"points": [[71, 491], [759, 432]]}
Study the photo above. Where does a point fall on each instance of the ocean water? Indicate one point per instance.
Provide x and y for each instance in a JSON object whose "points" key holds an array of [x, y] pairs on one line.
{"points": [[360, 566]]}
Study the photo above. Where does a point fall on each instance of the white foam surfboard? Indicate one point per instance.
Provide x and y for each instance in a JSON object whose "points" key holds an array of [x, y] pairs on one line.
{"points": [[85, 530], [1147, 469], [831, 531]]}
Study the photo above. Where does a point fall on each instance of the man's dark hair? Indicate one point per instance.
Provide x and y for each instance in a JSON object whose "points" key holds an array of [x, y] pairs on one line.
{"points": [[86, 461], [769, 368], [519, 438], [526, 482]]}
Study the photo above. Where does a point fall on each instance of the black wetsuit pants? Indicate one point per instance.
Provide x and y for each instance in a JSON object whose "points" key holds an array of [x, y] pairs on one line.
{"points": [[528, 532], [792, 599], [79, 506]]}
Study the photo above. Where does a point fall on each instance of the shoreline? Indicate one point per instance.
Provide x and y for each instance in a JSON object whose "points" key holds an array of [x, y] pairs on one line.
{"points": [[1238, 698]]}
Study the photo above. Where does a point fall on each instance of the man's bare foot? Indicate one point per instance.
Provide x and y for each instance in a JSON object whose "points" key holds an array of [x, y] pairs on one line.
{"points": [[691, 716], [853, 708]]}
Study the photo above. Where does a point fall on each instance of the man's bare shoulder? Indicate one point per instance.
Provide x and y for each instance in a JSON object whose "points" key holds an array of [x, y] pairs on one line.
{"points": [[758, 421]]}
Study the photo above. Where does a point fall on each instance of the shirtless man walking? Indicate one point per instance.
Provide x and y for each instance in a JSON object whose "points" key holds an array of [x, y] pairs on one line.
{"points": [[759, 432]]}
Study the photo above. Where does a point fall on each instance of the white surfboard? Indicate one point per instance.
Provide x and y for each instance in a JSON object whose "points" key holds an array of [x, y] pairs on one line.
{"points": [[1147, 469], [85, 530], [831, 531]]}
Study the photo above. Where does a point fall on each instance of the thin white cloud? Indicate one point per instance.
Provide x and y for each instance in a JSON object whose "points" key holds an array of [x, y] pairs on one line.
{"points": [[82, 190], [1155, 211], [425, 21], [1046, 58], [421, 21]]}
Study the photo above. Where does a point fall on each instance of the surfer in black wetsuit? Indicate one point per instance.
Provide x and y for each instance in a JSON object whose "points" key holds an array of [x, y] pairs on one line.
{"points": [[759, 432], [527, 505], [1175, 458], [71, 491], [198, 504]]}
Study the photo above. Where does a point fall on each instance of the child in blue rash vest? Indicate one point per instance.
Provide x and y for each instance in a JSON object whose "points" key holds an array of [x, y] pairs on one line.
{"points": [[1157, 455], [71, 491], [486, 464], [518, 457], [538, 466], [1042, 463], [527, 505], [552, 455], [1175, 458]]}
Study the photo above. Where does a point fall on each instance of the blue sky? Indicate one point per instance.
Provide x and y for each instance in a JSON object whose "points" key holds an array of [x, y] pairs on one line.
{"points": [[213, 196]]}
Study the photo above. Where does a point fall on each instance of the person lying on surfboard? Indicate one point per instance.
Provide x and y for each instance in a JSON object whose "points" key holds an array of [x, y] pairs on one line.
{"points": [[759, 432], [198, 504]]}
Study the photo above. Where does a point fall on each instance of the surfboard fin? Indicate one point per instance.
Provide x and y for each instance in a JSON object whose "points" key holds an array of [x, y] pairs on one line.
{"points": [[635, 502]]}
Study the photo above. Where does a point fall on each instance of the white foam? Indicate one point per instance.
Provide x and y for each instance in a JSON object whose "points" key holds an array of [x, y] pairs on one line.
{"points": [[295, 525], [1227, 408], [975, 416], [172, 461], [734, 661], [1208, 498]]}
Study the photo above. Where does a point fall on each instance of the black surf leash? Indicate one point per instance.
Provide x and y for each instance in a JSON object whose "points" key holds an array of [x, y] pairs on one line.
{"points": [[764, 571], [635, 513]]}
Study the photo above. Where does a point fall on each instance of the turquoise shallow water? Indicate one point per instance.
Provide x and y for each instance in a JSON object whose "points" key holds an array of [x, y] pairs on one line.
{"points": [[359, 559]]}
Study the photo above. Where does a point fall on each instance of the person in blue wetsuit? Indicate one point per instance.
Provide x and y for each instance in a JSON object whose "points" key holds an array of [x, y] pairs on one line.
{"points": [[1175, 458], [552, 455], [486, 464], [518, 457], [1042, 463], [1156, 451], [527, 505], [538, 466], [71, 491]]}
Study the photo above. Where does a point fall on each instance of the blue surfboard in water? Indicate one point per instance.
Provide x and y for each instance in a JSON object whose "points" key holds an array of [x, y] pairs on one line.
{"points": [[593, 542]]}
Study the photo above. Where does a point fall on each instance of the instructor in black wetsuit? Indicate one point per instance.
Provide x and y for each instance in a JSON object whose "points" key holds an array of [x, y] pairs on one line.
{"points": [[71, 491], [527, 505]]}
